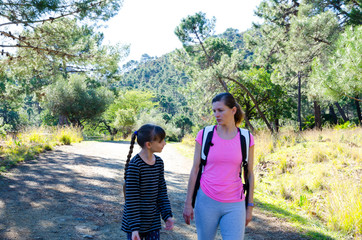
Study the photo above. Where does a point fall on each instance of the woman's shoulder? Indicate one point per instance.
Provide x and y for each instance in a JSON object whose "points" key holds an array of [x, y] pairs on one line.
{"points": [[206, 129], [246, 131]]}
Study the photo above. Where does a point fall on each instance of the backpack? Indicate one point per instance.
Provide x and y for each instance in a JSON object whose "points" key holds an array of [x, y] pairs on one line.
{"points": [[205, 147]]}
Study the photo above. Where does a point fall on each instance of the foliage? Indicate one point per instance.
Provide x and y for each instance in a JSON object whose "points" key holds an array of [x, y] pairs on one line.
{"points": [[43, 41], [341, 75], [84, 54], [30, 142], [30, 14], [193, 30], [155, 117], [292, 35], [121, 115], [76, 101], [159, 76]]}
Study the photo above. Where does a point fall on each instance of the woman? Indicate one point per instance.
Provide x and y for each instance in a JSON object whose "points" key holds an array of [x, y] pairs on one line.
{"points": [[220, 200]]}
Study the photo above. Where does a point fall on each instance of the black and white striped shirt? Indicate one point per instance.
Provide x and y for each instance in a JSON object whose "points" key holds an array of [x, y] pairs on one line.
{"points": [[146, 196]]}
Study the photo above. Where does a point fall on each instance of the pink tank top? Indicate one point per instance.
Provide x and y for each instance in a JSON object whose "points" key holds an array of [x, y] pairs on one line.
{"points": [[220, 179]]}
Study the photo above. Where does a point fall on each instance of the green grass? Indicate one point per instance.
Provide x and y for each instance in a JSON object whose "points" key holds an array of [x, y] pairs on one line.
{"points": [[314, 174], [30, 142]]}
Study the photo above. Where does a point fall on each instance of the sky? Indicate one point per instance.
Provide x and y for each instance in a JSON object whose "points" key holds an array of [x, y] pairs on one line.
{"points": [[148, 25]]}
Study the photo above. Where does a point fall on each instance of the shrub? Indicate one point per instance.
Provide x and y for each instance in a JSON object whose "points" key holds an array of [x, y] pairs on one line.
{"points": [[65, 139]]}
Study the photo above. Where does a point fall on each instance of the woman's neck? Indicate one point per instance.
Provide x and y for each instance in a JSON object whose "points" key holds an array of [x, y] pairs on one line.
{"points": [[227, 131], [147, 156]]}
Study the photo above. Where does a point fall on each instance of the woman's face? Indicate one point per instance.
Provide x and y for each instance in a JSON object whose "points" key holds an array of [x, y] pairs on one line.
{"points": [[223, 114]]}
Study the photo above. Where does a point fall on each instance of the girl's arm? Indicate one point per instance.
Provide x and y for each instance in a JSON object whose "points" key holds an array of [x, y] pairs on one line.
{"points": [[188, 213], [163, 201], [249, 209]]}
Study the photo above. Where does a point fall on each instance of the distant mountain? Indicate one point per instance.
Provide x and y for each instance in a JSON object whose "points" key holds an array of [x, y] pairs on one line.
{"points": [[161, 77]]}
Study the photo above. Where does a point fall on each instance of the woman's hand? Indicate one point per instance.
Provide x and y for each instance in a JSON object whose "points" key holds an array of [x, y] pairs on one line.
{"points": [[135, 235], [188, 214], [249, 215], [169, 223]]}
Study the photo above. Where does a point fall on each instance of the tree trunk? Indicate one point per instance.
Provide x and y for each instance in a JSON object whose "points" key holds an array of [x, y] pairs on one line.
{"points": [[345, 119], [299, 101], [112, 131], [76, 123], [276, 124], [317, 116], [63, 120], [249, 124], [358, 111], [333, 114], [255, 103]]}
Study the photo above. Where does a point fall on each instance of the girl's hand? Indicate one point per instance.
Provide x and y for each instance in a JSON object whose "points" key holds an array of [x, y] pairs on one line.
{"points": [[249, 215], [188, 214], [135, 235], [169, 223]]}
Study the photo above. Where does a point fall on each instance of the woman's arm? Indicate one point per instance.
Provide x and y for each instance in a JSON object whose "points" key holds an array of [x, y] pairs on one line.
{"points": [[249, 209], [188, 210]]}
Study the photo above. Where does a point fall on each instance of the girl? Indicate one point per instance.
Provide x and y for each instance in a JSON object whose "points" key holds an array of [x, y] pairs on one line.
{"points": [[145, 187], [220, 201]]}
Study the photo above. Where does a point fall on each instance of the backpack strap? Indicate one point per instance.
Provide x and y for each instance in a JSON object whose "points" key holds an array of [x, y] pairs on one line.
{"points": [[245, 144], [205, 147], [206, 142]]}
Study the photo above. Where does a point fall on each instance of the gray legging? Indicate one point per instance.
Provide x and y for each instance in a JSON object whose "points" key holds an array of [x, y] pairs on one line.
{"points": [[209, 214]]}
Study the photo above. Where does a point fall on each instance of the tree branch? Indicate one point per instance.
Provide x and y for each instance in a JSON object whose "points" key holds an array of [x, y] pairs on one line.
{"points": [[254, 101], [92, 5]]}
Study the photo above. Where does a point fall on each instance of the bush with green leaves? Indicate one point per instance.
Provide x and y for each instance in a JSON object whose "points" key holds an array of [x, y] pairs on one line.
{"points": [[155, 117]]}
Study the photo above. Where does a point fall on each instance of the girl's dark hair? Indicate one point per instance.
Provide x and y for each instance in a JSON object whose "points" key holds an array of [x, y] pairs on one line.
{"points": [[230, 101], [146, 133]]}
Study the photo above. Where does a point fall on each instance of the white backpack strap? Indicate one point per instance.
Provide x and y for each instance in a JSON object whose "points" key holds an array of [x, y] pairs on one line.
{"points": [[246, 134], [204, 136]]}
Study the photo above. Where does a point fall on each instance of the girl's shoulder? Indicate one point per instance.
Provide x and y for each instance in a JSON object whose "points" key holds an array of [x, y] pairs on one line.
{"points": [[159, 162], [158, 159], [136, 160]]}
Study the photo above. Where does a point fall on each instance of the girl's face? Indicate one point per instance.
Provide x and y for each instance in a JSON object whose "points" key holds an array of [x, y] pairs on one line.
{"points": [[157, 145], [223, 114]]}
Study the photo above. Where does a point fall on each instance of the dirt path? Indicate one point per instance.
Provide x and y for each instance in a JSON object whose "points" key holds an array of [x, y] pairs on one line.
{"points": [[74, 192]]}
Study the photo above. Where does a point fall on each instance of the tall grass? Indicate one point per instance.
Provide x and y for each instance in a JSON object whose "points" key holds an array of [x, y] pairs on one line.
{"points": [[316, 174], [32, 141]]}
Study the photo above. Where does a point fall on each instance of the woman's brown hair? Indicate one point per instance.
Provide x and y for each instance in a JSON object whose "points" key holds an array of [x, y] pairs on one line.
{"points": [[230, 101]]}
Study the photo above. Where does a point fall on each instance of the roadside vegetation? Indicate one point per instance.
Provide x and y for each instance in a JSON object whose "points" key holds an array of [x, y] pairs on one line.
{"points": [[300, 67], [311, 179], [28, 143]]}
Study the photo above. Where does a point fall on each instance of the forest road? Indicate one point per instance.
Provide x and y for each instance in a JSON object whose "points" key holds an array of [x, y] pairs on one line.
{"points": [[75, 192]]}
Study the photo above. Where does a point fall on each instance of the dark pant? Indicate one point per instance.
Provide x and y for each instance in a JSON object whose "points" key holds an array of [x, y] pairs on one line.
{"points": [[154, 235]]}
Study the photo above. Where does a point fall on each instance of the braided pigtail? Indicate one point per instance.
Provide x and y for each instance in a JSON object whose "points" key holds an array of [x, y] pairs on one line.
{"points": [[133, 140]]}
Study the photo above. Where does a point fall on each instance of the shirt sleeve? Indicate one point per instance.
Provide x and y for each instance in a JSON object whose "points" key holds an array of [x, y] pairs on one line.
{"points": [[163, 201], [199, 136], [133, 196]]}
